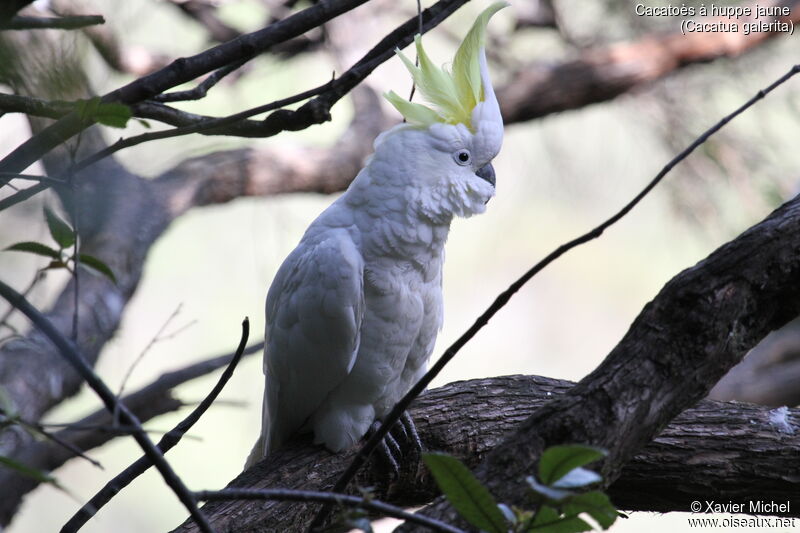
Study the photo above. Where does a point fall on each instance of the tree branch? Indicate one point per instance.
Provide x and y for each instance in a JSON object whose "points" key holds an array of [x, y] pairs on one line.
{"points": [[698, 327], [180, 71], [167, 442], [693, 458], [598, 75], [502, 299], [68, 351], [73, 22], [99, 427]]}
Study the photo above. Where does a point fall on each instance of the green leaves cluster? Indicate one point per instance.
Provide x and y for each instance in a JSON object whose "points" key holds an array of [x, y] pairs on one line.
{"points": [[559, 491], [67, 254]]}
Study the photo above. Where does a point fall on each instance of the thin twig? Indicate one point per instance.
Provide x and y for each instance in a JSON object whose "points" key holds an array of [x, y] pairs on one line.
{"points": [[72, 22], [155, 339], [330, 498], [36, 278], [416, 59], [202, 89], [6, 177], [172, 438], [363, 454], [41, 430], [77, 361]]}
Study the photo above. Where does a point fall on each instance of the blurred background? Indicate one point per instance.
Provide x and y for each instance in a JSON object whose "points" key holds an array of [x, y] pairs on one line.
{"points": [[558, 176]]}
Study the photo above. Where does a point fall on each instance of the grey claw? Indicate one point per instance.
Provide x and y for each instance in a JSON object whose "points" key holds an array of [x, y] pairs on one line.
{"points": [[410, 429], [393, 444]]}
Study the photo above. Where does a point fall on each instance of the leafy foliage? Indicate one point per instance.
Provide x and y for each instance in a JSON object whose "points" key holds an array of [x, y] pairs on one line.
{"points": [[68, 254], [561, 469]]}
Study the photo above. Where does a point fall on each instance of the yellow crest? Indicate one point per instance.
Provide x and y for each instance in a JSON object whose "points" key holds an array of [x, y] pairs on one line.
{"points": [[452, 95]]}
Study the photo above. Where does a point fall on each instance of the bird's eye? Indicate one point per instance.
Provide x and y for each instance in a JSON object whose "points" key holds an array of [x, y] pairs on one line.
{"points": [[462, 157]]}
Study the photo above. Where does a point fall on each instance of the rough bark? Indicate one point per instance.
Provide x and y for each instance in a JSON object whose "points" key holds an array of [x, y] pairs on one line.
{"points": [[714, 450], [696, 329]]}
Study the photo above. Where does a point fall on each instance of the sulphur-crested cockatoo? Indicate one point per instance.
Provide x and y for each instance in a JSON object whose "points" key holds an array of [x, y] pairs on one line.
{"points": [[353, 312]]}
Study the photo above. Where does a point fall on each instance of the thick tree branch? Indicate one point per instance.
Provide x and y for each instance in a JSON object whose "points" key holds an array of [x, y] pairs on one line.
{"points": [[693, 458], [223, 176], [696, 329], [538, 90]]}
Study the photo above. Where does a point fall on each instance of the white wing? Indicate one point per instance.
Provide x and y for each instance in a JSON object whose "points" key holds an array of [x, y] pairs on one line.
{"points": [[314, 311]]}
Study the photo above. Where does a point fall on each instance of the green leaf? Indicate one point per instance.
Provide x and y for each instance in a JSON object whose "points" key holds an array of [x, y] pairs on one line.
{"points": [[465, 493], [596, 504], [144, 123], [61, 231], [113, 114], [86, 108], [576, 478], [98, 265], [545, 515], [34, 248], [109, 113], [558, 461], [38, 475]]}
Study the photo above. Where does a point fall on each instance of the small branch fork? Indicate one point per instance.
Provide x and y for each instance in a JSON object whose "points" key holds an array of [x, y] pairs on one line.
{"points": [[366, 450], [167, 442], [76, 360]]}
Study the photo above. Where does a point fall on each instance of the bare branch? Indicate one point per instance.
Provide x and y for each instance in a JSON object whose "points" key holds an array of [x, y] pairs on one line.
{"points": [[202, 89], [99, 427], [73, 22], [69, 352], [169, 441]]}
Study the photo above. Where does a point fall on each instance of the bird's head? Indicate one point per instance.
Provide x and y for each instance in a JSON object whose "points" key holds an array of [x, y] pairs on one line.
{"points": [[447, 146]]}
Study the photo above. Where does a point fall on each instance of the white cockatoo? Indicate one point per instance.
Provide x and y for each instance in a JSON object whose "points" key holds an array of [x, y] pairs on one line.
{"points": [[354, 310]]}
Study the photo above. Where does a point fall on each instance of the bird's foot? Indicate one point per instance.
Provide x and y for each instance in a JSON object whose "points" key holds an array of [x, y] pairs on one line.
{"points": [[401, 439], [410, 431], [388, 449]]}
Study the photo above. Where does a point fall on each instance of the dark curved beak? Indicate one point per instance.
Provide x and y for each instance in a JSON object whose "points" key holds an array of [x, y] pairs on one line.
{"points": [[487, 173]]}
